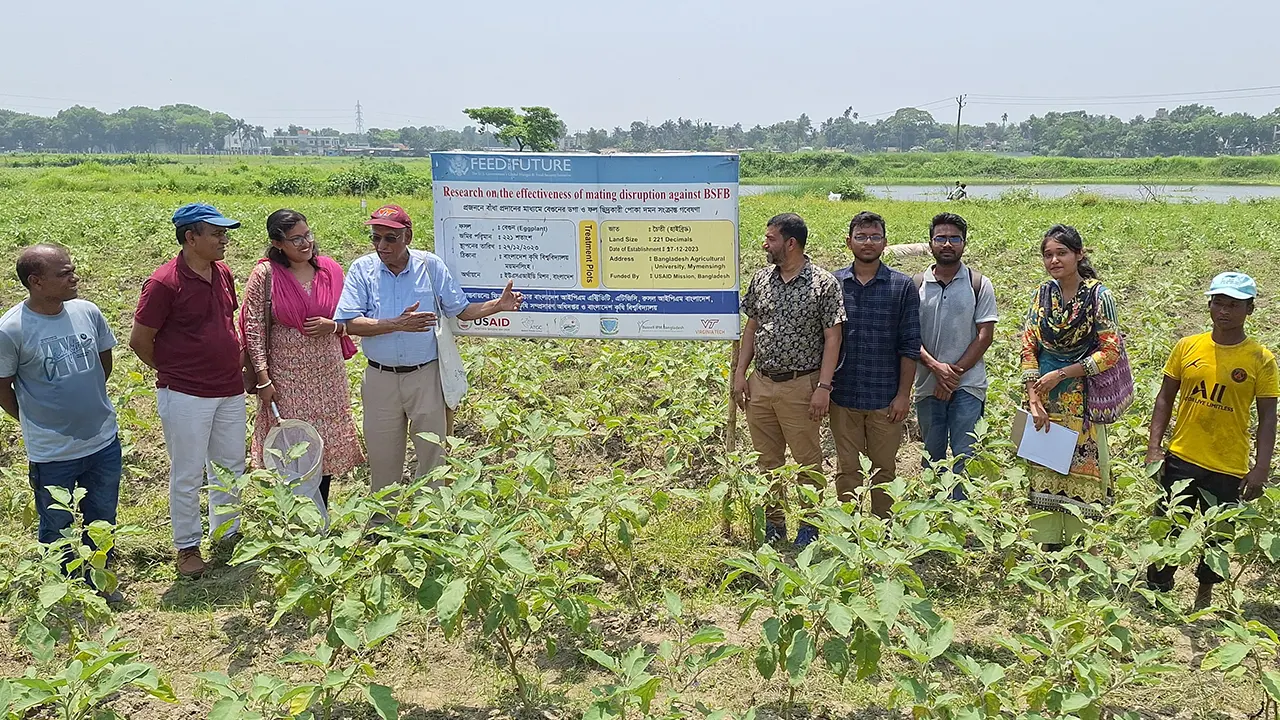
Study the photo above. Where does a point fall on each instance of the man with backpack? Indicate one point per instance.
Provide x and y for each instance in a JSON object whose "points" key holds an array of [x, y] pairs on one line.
{"points": [[957, 323]]}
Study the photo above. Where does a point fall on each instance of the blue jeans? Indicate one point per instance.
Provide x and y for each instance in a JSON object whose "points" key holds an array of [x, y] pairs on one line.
{"points": [[98, 474], [949, 422]]}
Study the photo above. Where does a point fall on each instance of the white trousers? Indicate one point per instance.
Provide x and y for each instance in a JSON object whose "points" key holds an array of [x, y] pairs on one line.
{"points": [[199, 432]]}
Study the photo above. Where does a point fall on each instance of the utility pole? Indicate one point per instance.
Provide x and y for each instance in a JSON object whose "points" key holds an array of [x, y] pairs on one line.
{"points": [[959, 107], [359, 119]]}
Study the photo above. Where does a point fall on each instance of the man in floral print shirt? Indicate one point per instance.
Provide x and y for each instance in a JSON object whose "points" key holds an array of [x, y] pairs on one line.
{"points": [[794, 318]]}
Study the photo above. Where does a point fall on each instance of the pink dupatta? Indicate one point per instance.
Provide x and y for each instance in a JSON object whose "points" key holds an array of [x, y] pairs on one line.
{"points": [[291, 305]]}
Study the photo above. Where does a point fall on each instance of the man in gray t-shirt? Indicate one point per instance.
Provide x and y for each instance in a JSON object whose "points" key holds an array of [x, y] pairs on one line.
{"points": [[957, 323], [55, 358]]}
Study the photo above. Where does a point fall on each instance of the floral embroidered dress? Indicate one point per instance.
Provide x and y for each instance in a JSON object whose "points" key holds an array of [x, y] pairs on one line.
{"points": [[309, 373], [1060, 332]]}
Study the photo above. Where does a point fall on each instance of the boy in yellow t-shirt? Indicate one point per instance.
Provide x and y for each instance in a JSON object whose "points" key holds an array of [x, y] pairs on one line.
{"points": [[1219, 376]]}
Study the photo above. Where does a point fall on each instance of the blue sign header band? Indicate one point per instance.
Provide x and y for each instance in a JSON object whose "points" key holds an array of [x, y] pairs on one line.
{"points": [[585, 169]]}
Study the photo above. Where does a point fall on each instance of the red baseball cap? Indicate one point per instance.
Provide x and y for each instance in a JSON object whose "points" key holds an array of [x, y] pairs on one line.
{"points": [[392, 216]]}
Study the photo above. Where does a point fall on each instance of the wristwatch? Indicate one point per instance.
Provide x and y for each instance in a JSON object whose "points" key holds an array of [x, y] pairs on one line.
{"points": [[824, 386]]}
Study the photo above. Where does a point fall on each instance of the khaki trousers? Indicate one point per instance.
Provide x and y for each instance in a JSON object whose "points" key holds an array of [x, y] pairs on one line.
{"points": [[778, 416], [396, 404], [869, 433]]}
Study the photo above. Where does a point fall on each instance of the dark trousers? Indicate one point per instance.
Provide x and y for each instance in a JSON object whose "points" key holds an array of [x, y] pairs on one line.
{"points": [[98, 474], [1207, 489]]}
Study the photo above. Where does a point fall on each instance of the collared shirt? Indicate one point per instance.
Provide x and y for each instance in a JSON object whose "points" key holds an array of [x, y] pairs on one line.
{"points": [[372, 291], [63, 406], [197, 347], [949, 319], [883, 326], [791, 316]]}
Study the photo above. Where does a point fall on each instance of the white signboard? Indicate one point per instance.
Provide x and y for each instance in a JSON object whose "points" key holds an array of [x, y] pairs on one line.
{"points": [[625, 246]]}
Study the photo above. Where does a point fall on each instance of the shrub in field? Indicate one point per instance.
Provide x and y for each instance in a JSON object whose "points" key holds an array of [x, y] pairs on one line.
{"points": [[291, 184], [848, 190]]}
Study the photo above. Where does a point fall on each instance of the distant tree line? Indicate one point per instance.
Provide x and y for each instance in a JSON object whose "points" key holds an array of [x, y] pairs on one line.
{"points": [[1192, 130], [1187, 130]]}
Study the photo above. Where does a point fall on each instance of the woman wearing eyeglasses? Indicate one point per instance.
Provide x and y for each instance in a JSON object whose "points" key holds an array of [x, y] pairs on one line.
{"points": [[296, 348], [1071, 334]]}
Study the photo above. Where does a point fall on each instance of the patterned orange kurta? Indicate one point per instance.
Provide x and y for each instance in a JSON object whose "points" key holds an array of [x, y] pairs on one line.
{"points": [[310, 378], [1061, 332]]}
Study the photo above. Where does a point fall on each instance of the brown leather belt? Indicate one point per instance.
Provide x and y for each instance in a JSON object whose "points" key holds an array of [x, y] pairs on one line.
{"points": [[784, 377]]}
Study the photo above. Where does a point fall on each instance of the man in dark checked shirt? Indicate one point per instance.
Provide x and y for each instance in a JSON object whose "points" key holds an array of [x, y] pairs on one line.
{"points": [[872, 394], [794, 316]]}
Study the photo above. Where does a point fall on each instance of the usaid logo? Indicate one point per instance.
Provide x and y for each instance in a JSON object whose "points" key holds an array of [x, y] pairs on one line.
{"points": [[493, 322], [459, 165]]}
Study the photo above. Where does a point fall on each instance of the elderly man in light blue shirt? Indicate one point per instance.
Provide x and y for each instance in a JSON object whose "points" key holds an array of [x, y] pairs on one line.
{"points": [[392, 299]]}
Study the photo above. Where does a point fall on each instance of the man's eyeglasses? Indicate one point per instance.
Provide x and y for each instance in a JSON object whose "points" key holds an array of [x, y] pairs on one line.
{"points": [[868, 238], [301, 240], [384, 239], [949, 240]]}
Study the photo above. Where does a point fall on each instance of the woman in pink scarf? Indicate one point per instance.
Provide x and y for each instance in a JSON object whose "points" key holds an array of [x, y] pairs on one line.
{"points": [[302, 370]]}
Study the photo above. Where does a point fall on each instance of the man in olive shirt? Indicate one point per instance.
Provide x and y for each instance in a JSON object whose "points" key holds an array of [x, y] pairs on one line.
{"points": [[794, 315]]}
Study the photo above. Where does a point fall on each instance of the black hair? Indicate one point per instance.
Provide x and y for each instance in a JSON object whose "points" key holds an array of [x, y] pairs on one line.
{"points": [[867, 217], [947, 218], [1070, 238], [791, 227], [31, 261], [279, 223], [197, 227]]}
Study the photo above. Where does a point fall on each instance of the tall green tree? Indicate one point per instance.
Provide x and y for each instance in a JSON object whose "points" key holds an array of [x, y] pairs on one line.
{"points": [[535, 127]]}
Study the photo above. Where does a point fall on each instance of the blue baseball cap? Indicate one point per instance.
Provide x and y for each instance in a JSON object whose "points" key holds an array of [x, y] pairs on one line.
{"points": [[1234, 285], [200, 212]]}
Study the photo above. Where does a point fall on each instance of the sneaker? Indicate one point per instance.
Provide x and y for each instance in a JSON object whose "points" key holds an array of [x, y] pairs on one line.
{"points": [[114, 599], [774, 532], [190, 564], [806, 535]]}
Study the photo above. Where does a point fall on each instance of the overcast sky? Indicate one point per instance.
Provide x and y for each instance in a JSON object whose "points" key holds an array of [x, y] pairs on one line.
{"points": [[607, 63]]}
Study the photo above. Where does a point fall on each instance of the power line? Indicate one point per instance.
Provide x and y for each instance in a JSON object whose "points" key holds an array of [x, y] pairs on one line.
{"points": [[1070, 98]]}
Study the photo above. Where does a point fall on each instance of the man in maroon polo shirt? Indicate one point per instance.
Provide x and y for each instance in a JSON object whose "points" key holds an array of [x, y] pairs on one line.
{"points": [[184, 328]]}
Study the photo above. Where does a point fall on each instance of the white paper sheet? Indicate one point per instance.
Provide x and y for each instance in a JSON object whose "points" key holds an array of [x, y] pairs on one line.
{"points": [[1052, 449]]}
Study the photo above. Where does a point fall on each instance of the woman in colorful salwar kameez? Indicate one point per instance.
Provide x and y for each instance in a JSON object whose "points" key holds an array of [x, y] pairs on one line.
{"points": [[1071, 333]]}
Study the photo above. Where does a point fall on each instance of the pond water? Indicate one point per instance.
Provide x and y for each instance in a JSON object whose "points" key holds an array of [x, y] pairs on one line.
{"points": [[1171, 193]]}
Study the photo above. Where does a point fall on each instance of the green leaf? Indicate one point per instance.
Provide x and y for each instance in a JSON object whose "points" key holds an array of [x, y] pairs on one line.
{"points": [[674, 605], [517, 558], [840, 617], [772, 629], [1271, 683], [707, 635], [51, 593], [381, 628], [451, 600], [37, 639], [1217, 560], [835, 653], [1074, 702], [603, 659], [1225, 656], [866, 648], [227, 709], [800, 655], [940, 638], [766, 662], [386, 705], [429, 593]]}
